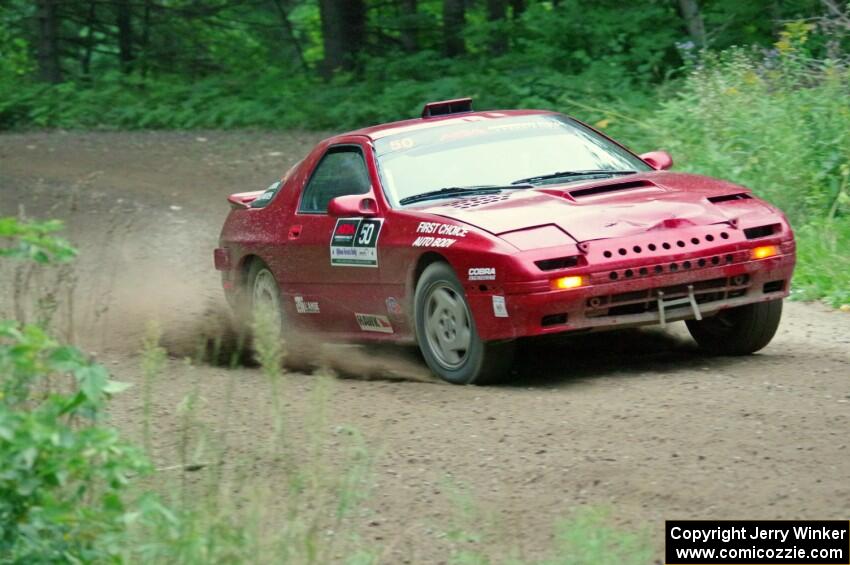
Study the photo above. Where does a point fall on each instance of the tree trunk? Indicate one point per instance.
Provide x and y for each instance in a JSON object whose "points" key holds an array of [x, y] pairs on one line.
{"points": [[85, 61], [343, 33], [454, 20], [496, 12], [49, 67], [519, 6], [124, 22], [146, 38], [289, 31], [693, 21], [409, 25]]}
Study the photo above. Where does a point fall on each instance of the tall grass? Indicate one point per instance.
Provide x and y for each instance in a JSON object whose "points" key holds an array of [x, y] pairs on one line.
{"points": [[779, 123]]}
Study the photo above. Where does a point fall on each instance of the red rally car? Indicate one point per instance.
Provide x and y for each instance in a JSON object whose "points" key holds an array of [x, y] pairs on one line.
{"points": [[462, 231]]}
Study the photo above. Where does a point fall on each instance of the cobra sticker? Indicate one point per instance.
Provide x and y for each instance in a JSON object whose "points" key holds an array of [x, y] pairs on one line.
{"points": [[482, 274], [354, 242], [374, 323], [306, 307]]}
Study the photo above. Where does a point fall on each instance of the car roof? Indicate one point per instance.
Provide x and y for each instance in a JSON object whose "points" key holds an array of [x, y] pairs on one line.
{"points": [[403, 126]]}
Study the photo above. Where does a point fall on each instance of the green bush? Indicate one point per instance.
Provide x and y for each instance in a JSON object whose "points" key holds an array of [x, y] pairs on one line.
{"points": [[62, 472]]}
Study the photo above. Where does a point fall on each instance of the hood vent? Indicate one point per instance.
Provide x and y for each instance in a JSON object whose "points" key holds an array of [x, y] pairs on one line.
{"points": [[729, 197], [616, 187], [475, 201]]}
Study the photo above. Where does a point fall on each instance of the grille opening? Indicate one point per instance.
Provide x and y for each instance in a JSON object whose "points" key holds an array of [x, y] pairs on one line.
{"points": [[613, 276], [695, 240], [637, 249], [715, 260], [724, 235], [680, 243], [701, 262], [594, 190], [709, 237], [643, 271], [557, 263], [621, 251], [665, 245], [686, 264], [761, 231], [773, 286], [553, 320], [729, 197], [641, 301], [607, 254], [652, 247]]}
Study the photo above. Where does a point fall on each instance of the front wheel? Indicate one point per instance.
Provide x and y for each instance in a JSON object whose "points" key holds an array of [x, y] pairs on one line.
{"points": [[738, 331], [446, 332]]}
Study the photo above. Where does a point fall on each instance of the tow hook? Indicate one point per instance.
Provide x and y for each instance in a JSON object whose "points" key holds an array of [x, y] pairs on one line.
{"points": [[664, 304]]}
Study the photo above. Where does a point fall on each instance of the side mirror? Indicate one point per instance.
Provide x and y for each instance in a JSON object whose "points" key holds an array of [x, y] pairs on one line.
{"points": [[658, 160], [352, 205]]}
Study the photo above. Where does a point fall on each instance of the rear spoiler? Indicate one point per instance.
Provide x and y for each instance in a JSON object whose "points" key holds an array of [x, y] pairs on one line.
{"points": [[243, 199]]}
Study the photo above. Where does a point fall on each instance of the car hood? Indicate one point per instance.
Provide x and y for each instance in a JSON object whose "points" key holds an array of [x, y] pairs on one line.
{"points": [[605, 209]]}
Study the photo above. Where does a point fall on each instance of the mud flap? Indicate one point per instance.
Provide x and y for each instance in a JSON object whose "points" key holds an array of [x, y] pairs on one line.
{"points": [[664, 304]]}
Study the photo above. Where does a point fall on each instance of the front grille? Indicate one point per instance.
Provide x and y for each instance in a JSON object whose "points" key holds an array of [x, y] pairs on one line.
{"points": [[641, 301], [675, 266], [684, 244]]}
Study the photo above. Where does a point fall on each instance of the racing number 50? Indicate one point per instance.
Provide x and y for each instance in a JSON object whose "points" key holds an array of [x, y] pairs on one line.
{"points": [[366, 231]]}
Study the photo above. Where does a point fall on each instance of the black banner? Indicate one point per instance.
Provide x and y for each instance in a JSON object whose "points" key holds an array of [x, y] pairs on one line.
{"points": [[761, 542]]}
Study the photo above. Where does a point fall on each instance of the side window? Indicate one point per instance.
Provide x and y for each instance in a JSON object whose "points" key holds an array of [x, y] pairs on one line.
{"points": [[341, 171]]}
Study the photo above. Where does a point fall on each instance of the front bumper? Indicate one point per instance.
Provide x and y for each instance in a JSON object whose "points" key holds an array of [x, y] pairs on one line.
{"points": [[628, 296]]}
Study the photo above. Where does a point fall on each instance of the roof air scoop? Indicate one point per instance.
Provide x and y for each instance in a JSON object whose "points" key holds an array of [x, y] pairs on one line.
{"points": [[447, 107]]}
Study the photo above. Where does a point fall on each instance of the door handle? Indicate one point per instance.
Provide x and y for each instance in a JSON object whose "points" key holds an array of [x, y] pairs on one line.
{"points": [[294, 232]]}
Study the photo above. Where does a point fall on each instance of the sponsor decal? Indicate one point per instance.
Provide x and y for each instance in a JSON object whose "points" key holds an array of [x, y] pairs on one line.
{"points": [[393, 307], [354, 242], [374, 323], [428, 241], [482, 274], [499, 308], [442, 229], [304, 307]]}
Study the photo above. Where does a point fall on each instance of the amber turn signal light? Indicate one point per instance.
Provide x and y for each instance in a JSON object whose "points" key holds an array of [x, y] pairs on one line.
{"points": [[564, 283], [765, 251]]}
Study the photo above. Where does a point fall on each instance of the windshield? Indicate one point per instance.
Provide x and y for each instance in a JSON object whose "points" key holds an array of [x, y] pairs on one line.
{"points": [[494, 152]]}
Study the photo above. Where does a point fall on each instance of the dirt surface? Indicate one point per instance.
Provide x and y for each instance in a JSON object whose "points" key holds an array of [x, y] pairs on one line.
{"points": [[637, 422]]}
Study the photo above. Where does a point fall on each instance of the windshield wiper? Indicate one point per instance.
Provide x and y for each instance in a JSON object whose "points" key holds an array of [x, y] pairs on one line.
{"points": [[566, 174], [450, 191]]}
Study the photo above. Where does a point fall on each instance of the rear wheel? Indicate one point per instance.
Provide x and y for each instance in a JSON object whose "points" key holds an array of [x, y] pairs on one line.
{"points": [[262, 295], [447, 336], [738, 331]]}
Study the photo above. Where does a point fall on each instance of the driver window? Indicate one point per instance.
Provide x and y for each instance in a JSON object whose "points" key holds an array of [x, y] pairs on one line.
{"points": [[341, 171]]}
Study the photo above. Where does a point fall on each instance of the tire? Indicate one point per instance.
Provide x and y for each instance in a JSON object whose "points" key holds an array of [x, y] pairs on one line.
{"points": [[738, 331], [446, 333], [261, 296]]}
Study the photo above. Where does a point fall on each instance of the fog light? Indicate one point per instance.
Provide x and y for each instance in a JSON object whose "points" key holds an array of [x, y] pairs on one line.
{"points": [[564, 283], [765, 251]]}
